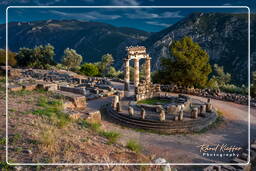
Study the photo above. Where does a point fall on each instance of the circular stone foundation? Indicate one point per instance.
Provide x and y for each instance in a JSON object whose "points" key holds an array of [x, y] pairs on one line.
{"points": [[172, 122]]}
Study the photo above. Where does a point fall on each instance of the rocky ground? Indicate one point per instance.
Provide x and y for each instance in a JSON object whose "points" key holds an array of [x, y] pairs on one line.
{"points": [[36, 137]]}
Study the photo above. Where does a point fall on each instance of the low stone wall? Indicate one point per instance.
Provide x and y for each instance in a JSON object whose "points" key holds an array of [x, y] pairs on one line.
{"points": [[76, 90], [240, 99], [166, 127], [146, 91]]}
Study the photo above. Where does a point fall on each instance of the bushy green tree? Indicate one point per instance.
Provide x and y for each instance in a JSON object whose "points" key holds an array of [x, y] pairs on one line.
{"points": [[112, 72], [220, 76], [11, 57], [105, 64], [71, 58], [40, 57], [188, 65], [89, 69]]}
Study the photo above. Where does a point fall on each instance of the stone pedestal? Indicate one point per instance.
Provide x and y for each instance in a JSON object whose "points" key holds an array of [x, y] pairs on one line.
{"points": [[118, 107], [130, 111], [202, 109], [208, 107], [143, 113], [194, 113], [162, 115], [115, 101], [181, 115]]}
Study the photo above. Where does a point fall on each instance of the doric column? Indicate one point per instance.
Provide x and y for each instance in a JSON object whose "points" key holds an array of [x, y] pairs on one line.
{"points": [[148, 78], [136, 72], [126, 75]]}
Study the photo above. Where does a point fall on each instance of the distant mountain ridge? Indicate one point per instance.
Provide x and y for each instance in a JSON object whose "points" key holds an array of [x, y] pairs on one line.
{"points": [[90, 39], [223, 36]]}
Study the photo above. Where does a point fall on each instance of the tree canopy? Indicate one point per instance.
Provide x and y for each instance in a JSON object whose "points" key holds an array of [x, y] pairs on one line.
{"points": [[89, 69], [219, 78], [105, 64], [71, 58], [39, 57], [188, 65], [11, 57]]}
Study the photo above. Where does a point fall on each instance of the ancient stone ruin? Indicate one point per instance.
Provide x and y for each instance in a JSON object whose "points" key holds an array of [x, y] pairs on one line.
{"points": [[74, 88], [143, 89], [179, 114]]}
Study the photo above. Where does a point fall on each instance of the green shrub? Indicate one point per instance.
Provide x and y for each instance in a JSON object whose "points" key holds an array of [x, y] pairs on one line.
{"points": [[110, 135], [89, 69], [2, 141], [5, 166], [21, 93], [92, 126], [231, 88], [134, 146]]}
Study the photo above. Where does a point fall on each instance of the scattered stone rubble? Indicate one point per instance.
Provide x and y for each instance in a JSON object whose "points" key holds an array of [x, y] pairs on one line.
{"points": [[74, 88], [236, 98]]}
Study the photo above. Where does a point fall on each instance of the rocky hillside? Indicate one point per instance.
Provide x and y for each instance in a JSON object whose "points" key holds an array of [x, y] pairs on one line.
{"points": [[223, 36]]}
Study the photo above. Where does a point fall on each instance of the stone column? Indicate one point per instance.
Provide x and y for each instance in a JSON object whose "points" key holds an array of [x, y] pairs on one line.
{"points": [[126, 74], [136, 72], [148, 79]]}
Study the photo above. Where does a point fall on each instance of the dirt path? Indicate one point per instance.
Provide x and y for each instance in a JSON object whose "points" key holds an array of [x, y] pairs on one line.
{"points": [[184, 148]]}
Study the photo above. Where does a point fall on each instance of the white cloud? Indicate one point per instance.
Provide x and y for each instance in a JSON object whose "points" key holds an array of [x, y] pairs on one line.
{"points": [[125, 2], [226, 4], [92, 15], [139, 14], [158, 24]]}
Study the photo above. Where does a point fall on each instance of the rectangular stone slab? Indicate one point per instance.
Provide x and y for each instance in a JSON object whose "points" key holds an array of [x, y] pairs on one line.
{"points": [[30, 87], [15, 87], [78, 100]]}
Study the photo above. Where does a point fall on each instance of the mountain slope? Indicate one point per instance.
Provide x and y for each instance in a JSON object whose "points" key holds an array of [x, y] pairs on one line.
{"points": [[223, 36], [90, 39]]}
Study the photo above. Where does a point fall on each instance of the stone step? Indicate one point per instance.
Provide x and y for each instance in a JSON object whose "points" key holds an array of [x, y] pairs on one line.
{"points": [[237, 160], [244, 156], [229, 168], [78, 100]]}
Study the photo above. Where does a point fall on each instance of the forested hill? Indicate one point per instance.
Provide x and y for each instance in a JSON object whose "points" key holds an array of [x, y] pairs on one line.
{"points": [[223, 36]]}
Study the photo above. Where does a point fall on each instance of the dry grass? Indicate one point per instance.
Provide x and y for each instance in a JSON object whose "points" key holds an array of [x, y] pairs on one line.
{"points": [[52, 137]]}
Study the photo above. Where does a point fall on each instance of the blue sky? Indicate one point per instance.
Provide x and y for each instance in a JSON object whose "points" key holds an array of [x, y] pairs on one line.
{"points": [[151, 20]]}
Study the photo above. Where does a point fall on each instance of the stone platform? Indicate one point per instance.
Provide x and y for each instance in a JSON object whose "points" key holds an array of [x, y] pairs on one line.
{"points": [[166, 127], [138, 116]]}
